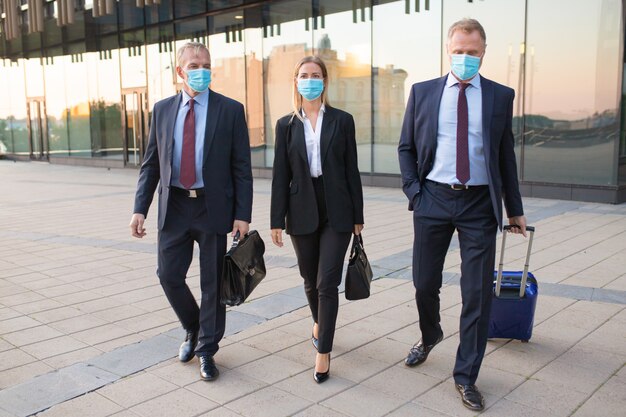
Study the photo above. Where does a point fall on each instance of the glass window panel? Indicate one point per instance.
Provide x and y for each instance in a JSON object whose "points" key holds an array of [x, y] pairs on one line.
{"points": [[287, 38], [130, 16], [228, 62], [161, 62], [18, 116], [133, 59], [342, 38], [77, 98], [189, 8], [6, 135], [34, 74], [395, 70], [254, 92], [572, 82], [159, 12], [56, 104], [105, 106]]}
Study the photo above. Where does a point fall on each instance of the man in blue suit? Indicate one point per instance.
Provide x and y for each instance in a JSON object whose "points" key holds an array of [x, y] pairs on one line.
{"points": [[458, 164], [198, 160]]}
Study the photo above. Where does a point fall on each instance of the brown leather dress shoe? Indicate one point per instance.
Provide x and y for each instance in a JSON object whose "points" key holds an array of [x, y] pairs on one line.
{"points": [[471, 397], [419, 352]]}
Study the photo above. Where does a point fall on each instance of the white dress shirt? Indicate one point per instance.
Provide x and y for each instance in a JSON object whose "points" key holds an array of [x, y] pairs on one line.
{"points": [[200, 112], [444, 166], [312, 139]]}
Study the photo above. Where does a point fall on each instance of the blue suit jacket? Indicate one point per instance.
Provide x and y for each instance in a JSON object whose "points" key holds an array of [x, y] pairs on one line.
{"points": [[418, 142], [226, 168]]}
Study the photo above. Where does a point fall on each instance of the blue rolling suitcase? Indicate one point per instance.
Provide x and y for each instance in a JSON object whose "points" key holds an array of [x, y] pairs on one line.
{"points": [[514, 298]]}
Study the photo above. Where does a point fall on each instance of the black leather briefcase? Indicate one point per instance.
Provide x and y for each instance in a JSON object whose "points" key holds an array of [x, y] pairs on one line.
{"points": [[243, 270]]}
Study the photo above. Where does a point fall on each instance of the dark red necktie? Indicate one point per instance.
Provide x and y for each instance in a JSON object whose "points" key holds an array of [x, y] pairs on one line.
{"points": [[188, 155], [462, 147]]}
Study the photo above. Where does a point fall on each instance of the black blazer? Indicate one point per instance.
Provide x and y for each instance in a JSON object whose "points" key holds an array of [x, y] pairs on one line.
{"points": [[293, 196], [418, 142], [226, 168]]}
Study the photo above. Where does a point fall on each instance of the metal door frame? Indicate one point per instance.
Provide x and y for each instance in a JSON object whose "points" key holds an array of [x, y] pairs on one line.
{"points": [[141, 132], [42, 121]]}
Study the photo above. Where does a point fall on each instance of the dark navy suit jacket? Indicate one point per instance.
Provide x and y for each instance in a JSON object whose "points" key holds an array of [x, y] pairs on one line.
{"points": [[226, 169], [418, 142]]}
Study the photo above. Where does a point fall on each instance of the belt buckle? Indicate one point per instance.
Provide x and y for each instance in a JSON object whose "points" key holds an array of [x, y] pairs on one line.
{"points": [[458, 187], [193, 194]]}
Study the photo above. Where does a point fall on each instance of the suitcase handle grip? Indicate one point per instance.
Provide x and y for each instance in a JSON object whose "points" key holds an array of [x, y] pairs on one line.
{"points": [[522, 289], [511, 226]]}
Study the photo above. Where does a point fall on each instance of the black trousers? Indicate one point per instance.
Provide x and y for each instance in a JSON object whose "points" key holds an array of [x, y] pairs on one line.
{"points": [[438, 211], [320, 260], [186, 223]]}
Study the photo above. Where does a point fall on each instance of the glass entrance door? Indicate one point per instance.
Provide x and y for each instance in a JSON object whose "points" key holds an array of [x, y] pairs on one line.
{"points": [[37, 128], [135, 119]]}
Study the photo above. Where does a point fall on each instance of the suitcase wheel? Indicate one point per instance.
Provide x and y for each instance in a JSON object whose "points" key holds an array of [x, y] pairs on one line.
{"points": [[525, 341]]}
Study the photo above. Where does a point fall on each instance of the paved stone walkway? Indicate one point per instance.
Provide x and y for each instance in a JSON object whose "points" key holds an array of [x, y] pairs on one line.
{"points": [[85, 329]]}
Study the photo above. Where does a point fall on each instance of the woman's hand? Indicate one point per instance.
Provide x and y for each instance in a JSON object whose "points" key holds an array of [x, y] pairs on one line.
{"points": [[277, 237], [357, 229]]}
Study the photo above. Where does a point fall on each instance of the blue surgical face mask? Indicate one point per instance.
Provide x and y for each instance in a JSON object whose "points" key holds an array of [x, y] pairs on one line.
{"points": [[465, 66], [310, 88], [199, 79]]}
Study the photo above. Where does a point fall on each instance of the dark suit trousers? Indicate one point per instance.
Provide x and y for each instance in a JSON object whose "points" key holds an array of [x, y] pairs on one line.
{"points": [[320, 260], [187, 222], [437, 212]]}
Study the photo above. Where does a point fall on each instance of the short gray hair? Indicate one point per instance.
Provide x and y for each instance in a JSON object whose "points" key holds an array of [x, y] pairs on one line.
{"points": [[196, 46], [468, 26]]}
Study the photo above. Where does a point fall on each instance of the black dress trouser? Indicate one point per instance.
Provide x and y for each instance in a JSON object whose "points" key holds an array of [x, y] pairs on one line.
{"points": [[437, 212], [320, 260], [186, 223]]}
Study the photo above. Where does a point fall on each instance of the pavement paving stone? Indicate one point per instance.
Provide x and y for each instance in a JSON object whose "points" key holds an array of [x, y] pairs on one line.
{"points": [[508, 408], [319, 411], [23, 373], [553, 399], [17, 323], [362, 401], [31, 335], [412, 410], [92, 405], [238, 354], [136, 389], [269, 402], [70, 358], [220, 412], [271, 369], [8, 313], [274, 340], [230, 386], [14, 357], [179, 403], [401, 383], [303, 385]]}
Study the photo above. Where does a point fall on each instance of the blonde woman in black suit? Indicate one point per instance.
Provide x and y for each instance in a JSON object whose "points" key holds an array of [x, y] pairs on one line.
{"points": [[317, 196]]}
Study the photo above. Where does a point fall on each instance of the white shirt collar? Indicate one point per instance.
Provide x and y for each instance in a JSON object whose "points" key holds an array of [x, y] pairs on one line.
{"points": [[322, 109], [474, 82]]}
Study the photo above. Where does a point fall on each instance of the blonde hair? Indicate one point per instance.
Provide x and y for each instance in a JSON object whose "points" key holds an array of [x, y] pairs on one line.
{"points": [[196, 46], [468, 26], [296, 96]]}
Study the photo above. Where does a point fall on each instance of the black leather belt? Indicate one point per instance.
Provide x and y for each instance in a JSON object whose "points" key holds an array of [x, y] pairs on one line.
{"points": [[456, 187], [198, 192]]}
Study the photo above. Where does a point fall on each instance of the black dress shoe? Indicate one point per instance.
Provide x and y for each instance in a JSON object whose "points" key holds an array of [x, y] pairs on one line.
{"points": [[208, 370], [185, 353], [419, 352], [320, 377], [471, 397]]}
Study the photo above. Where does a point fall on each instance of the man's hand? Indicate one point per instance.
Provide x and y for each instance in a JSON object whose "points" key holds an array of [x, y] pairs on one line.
{"points": [[277, 237], [357, 229], [519, 221], [242, 227], [136, 225]]}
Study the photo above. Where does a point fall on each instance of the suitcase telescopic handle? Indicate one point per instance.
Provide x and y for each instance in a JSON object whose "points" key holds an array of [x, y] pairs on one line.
{"points": [[522, 288]]}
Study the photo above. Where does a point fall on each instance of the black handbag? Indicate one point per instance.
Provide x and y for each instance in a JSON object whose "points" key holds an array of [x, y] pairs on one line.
{"points": [[359, 274], [243, 270]]}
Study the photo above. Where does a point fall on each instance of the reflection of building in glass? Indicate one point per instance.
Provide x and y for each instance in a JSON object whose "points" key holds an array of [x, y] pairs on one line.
{"points": [[86, 89]]}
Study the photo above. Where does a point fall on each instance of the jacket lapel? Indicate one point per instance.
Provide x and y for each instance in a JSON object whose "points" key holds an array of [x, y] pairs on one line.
{"points": [[487, 97], [435, 103], [170, 123], [328, 128], [298, 140], [214, 109]]}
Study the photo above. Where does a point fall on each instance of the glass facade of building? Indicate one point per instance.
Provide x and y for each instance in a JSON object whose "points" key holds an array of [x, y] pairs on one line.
{"points": [[83, 92]]}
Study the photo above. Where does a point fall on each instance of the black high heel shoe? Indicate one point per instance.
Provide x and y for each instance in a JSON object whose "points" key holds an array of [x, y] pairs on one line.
{"points": [[320, 377]]}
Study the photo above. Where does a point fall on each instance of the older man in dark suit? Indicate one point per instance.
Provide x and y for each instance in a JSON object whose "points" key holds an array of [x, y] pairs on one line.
{"points": [[457, 162], [198, 156]]}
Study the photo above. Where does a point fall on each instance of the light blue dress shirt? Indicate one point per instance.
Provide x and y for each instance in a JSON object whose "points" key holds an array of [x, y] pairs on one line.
{"points": [[200, 110], [444, 167]]}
